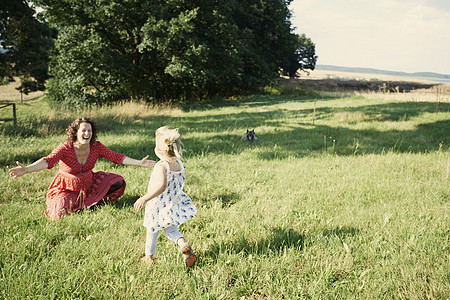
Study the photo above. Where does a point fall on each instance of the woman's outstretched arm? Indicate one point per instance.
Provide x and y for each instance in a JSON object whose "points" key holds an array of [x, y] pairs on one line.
{"points": [[38, 165], [146, 163]]}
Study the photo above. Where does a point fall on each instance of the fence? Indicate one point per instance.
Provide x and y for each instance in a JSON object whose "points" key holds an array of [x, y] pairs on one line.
{"points": [[14, 118]]}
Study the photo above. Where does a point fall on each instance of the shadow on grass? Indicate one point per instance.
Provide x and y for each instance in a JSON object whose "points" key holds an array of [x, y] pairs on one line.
{"points": [[304, 138], [126, 200], [277, 241], [294, 135], [226, 200], [253, 101], [11, 163], [340, 232]]}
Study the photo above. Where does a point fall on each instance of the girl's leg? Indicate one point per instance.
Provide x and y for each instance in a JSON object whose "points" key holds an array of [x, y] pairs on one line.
{"points": [[175, 236], [150, 246], [150, 243]]}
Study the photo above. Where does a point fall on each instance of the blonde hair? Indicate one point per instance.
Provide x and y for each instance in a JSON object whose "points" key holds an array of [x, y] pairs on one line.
{"points": [[169, 141]]}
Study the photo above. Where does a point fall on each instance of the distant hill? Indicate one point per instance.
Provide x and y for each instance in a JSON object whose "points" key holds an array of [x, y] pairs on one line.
{"points": [[430, 75]]}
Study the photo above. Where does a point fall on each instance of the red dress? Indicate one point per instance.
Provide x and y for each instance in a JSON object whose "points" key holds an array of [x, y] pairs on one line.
{"points": [[76, 186]]}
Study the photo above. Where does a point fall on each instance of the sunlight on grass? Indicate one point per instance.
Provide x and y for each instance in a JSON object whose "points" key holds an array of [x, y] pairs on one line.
{"points": [[352, 206]]}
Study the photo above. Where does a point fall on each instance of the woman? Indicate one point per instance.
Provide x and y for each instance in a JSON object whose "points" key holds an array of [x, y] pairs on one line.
{"points": [[76, 186]]}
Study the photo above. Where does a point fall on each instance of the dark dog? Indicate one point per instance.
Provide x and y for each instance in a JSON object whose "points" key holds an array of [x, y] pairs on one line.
{"points": [[250, 136]]}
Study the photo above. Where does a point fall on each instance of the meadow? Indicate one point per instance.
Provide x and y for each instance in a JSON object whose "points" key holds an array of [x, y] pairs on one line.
{"points": [[351, 205]]}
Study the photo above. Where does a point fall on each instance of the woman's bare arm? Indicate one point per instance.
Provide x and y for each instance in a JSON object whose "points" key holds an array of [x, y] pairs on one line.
{"points": [[146, 163], [21, 170]]}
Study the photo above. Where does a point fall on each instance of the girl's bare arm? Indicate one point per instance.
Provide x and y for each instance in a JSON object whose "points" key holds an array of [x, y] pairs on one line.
{"points": [[158, 182]]}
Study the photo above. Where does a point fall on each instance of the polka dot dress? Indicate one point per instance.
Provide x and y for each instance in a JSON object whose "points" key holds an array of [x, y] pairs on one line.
{"points": [[76, 186], [173, 207]]}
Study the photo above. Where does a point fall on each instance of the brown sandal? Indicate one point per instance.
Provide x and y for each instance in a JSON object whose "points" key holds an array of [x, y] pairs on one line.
{"points": [[189, 256]]}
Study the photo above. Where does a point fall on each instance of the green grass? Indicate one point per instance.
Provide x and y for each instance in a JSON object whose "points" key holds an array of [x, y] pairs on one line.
{"points": [[355, 205]]}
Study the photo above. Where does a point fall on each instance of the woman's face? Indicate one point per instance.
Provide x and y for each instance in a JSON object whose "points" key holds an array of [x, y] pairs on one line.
{"points": [[84, 134]]}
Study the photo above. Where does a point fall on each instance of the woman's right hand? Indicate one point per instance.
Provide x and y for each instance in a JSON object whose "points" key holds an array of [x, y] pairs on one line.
{"points": [[17, 171]]}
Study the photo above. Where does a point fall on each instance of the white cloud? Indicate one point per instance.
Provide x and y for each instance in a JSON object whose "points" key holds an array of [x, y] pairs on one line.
{"points": [[400, 35]]}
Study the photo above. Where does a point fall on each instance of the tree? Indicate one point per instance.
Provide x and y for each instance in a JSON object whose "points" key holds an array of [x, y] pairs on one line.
{"points": [[302, 58], [109, 50], [114, 50], [25, 44]]}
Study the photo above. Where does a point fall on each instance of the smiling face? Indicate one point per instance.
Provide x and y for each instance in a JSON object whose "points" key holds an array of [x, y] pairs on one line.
{"points": [[73, 129], [84, 134]]}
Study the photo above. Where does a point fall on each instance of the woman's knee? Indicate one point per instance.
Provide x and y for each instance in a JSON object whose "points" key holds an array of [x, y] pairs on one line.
{"points": [[116, 186], [119, 184]]}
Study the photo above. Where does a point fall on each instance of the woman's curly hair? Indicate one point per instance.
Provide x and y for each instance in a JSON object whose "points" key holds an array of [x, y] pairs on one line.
{"points": [[72, 130]]}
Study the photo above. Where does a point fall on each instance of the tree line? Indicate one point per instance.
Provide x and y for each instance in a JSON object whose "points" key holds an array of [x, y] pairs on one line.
{"points": [[101, 51]]}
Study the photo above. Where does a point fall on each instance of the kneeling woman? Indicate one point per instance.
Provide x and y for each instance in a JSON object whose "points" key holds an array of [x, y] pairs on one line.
{"points": [[76, 186]]}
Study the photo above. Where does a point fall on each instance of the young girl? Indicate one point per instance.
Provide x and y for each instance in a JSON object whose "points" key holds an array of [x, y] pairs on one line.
{"points": [[166, 205]]}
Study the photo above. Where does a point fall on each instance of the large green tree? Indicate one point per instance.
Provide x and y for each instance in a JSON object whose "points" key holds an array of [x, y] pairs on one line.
{"points": [[25, 45], [110, 50]]}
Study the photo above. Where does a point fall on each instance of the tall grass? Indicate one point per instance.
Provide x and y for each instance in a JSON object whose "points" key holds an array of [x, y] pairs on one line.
{"points": [[354, 206]]}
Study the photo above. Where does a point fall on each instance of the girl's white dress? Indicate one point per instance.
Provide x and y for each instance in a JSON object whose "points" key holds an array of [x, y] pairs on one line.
{"points": [[173, 207]]}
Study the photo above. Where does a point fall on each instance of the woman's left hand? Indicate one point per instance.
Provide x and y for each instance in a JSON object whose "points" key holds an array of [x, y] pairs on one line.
{"points": [[146, 163]]}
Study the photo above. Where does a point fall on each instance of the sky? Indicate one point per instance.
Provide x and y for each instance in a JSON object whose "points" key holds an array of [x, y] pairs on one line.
{"points": [[396, 35]]}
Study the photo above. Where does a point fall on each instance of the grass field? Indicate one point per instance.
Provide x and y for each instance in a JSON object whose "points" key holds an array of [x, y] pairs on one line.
{"points": [[352, 205]]}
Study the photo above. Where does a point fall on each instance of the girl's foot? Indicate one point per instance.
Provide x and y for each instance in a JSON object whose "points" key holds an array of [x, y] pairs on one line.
{"points": [[188, 256], [147, 259]]}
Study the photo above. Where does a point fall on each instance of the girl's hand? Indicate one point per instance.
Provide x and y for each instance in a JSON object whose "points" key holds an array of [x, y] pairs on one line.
{"points": [[146, 163], [139, 204], [17, 171]]}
